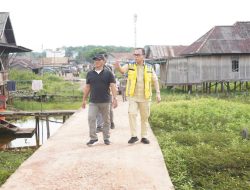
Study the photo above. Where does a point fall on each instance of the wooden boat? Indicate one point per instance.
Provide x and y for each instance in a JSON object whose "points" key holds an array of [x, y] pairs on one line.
{"points": [[9, 130]]}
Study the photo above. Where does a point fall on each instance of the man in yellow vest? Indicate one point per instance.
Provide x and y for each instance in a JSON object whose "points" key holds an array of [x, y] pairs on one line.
{"points": [[139, 92]]}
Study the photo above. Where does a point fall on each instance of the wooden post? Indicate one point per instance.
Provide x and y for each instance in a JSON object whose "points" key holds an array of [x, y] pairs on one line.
{"points": [[228, 87], [47, 125], [235, 86], [37, 133], [209, 87], [247, 87], [222, 87], [189, 87], [216, 89], [204, 87], [64, 118]]}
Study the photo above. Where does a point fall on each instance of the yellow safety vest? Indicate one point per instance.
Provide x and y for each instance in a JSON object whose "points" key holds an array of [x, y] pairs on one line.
{"points": [[131, 82]]}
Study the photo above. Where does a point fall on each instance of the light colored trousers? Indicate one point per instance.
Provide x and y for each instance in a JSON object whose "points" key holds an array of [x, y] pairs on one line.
{"points": [[94, 109], [144, 109]]}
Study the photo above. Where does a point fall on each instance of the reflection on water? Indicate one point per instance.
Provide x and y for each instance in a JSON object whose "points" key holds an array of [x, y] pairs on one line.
{"points": [[31, 123]]}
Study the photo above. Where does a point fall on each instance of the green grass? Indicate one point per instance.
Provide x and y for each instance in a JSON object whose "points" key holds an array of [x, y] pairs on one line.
{"points": [[32, 105], [10, 161], [66, 95], [201, 142]]}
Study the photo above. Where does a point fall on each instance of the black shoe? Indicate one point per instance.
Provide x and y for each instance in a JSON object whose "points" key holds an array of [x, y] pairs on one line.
{"points": [[145, 141], [92, 142], [133, 140], [99, 129], [107, 142], [112, 126]]}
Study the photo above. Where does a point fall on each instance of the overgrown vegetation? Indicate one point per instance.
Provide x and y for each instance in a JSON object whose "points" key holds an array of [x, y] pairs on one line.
{"points": [[201, 142], [64, 94], [11, 160]]}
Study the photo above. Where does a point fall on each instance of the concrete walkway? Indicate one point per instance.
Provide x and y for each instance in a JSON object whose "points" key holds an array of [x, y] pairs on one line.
{"points": [[65, 162]]}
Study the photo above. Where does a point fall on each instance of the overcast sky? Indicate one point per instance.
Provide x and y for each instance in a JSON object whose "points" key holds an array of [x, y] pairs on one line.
{"points": [[52, 24]]}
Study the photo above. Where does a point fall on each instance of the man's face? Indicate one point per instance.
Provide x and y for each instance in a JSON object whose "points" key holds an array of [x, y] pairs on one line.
{"points": [[99, 63], [138, 55]]}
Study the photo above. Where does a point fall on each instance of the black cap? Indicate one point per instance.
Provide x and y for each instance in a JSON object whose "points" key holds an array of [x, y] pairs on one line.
{"points": [[98, 56]]}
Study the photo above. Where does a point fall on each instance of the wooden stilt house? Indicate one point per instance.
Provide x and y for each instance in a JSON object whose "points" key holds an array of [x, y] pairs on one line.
{"points": [[221, 56], [7, 48], [159, 54]]}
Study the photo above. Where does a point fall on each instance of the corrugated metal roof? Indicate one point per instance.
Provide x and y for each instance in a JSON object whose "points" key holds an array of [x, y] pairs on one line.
{"points": [[163, 52], [222, 40], [6, 30], [8, 48], [3, 19], [7, 38]]}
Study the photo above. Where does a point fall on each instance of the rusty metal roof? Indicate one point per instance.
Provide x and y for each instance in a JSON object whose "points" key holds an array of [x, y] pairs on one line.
{"points": [[163, 52], [222, 40]]}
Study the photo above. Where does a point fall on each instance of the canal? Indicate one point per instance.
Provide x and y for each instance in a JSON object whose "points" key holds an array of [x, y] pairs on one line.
{"points": [[54, 124]]}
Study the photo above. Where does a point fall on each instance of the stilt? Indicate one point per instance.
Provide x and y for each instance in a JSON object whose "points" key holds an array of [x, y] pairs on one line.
{"points": [[209, 87], [235, 86], [37, 132], [216, 88], [228, 88], [47, 125], [222, 87], [189, 89], [246, 87]]}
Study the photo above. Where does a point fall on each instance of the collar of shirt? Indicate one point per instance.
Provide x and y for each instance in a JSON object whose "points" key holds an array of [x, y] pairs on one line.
{"points": [[141, 64], [98, 71]]}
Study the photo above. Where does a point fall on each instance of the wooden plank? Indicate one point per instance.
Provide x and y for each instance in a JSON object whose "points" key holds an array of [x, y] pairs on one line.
{"points": [[37, 113]]}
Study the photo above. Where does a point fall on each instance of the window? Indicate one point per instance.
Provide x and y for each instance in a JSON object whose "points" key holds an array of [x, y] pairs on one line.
{"points": [[235, 64]]}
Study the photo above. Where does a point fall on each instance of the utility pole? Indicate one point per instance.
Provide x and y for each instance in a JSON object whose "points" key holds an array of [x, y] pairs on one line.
{"points": [[135, 19]]}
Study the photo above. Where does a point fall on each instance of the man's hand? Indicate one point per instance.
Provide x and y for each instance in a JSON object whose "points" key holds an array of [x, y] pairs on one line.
{"points": [[84, 103], [158, 97], [114, 103], [117, 64]]}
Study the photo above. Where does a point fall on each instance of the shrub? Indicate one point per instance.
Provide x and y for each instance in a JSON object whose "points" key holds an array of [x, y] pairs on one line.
{"points": [[201, 143]]}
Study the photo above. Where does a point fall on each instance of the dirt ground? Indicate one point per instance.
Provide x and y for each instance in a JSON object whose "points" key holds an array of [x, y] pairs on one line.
{"points": [[64, 162]]}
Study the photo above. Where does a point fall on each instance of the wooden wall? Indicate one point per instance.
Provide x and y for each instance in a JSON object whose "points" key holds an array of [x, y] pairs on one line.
{"points": [[199, 69]]}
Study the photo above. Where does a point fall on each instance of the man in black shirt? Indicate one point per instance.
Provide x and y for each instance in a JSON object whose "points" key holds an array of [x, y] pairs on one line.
{"points": [[99, 121], [99, 81]]}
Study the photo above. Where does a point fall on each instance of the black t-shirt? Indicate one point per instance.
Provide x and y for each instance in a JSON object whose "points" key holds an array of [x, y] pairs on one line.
{"points": [[99, 85]]}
